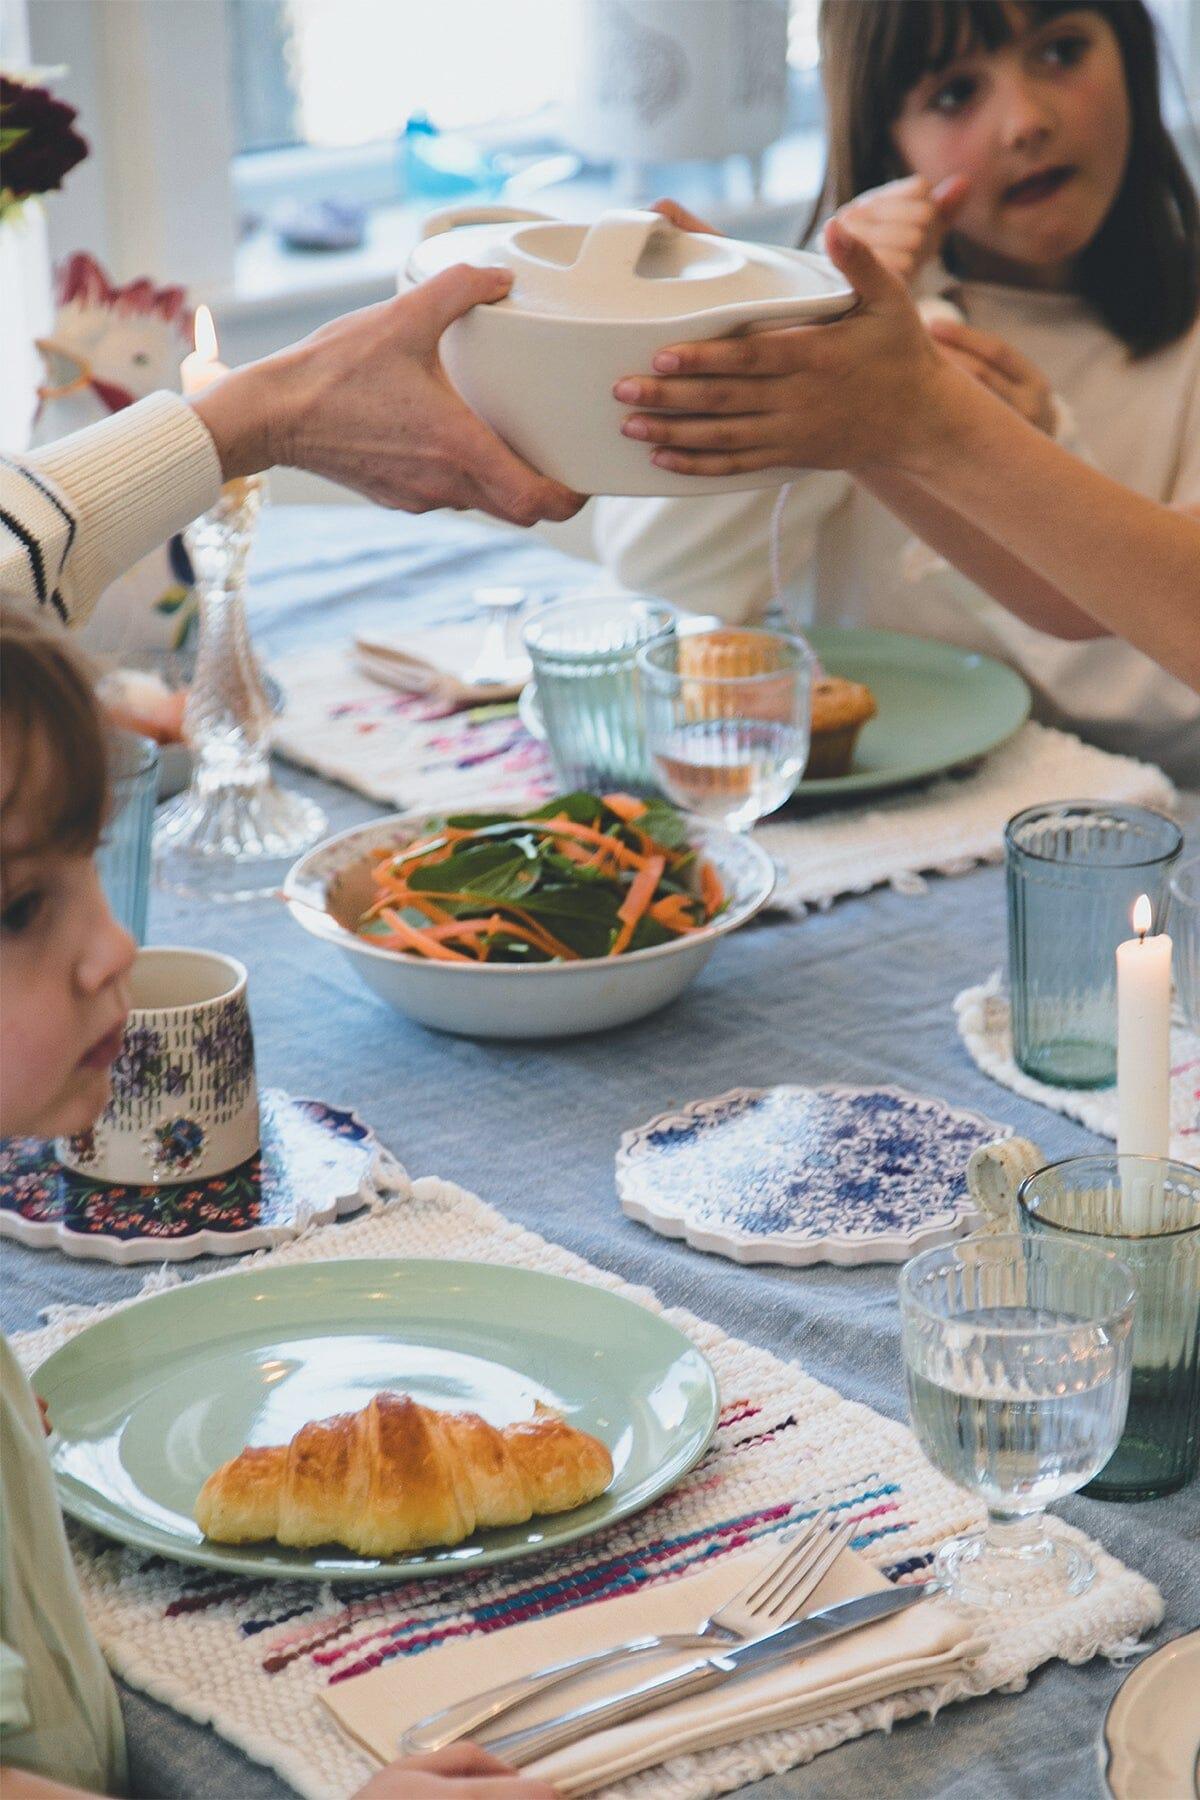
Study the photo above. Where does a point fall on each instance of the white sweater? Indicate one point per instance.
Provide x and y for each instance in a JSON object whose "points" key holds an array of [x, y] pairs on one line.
{"points": [[80, 511], [848, 561]]}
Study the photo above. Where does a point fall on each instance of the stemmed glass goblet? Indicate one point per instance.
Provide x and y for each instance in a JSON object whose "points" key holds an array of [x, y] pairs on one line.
{"points": [[1017, 1356], [727, 719]]}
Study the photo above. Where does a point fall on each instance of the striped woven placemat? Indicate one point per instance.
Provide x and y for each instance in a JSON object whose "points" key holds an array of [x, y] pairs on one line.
{"points": [[250, 1657]]}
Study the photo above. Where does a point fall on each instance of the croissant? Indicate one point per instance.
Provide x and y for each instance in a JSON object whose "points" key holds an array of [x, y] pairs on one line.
{"points": [[399, 1476]]}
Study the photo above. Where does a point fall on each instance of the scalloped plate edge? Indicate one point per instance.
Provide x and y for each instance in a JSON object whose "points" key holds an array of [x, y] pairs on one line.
{"points": [[842, 1249], [382, 1176]]}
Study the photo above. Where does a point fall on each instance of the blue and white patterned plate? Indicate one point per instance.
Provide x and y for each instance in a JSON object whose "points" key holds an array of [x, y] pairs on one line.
{"points": [[802, 1175], [316, 1163]]}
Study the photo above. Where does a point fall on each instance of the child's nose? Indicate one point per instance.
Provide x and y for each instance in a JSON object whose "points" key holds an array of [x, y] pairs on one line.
{"points": [[109, 954], [1027, 119]]}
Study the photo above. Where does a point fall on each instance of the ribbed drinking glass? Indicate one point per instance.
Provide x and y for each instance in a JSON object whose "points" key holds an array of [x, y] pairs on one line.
{"points": [[1147, 1211], [1183, 923], [583, 652], [123, 854], [1075, 869]]}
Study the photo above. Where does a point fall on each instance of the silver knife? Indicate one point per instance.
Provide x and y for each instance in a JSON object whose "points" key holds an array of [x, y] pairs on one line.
{"points": [[522, 1747]]}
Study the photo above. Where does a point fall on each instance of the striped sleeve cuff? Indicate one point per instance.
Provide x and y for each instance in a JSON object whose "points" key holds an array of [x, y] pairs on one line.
{"points": [[130, 482]]}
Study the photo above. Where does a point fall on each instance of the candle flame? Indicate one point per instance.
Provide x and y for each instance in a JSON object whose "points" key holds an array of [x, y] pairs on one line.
{"points": [[1143, 914], [206, 335]]}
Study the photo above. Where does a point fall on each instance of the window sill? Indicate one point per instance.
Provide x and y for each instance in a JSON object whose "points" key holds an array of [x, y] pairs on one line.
{"points": [[271, 280]]}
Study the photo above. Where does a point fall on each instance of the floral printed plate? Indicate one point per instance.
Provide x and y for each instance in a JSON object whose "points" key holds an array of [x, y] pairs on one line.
{"points": [[316, 1162], [802, 1175]]}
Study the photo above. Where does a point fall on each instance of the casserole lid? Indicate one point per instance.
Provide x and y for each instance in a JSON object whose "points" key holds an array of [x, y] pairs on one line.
{"points": [[628, 266]]}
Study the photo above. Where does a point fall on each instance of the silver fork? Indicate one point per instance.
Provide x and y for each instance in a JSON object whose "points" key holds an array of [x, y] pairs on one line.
{"points": [[773, 1596]]}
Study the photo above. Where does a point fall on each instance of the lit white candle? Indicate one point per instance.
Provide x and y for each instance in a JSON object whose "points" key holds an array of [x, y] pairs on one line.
{"points": [[1144, 1039], [201, 367]]}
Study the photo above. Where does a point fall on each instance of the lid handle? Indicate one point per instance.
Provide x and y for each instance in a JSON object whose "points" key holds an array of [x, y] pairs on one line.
{"points": [[613, 246]]}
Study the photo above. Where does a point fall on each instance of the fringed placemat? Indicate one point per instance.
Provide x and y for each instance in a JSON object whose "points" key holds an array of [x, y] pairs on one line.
{"points": [[250, 1657]]}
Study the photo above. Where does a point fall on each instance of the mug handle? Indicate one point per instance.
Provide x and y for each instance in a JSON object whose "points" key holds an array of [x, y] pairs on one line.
{"points": [[529, 712], [995, 1172]]}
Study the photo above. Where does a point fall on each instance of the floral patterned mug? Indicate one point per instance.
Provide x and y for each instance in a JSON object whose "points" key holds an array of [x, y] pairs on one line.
{"points": [[184, 1101]]}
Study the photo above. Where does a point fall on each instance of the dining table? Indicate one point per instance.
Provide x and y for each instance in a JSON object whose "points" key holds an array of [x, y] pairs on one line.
{"points": [[860, 993]]}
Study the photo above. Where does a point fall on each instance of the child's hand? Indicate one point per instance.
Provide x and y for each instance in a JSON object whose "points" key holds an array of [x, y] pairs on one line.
{"points": [[686, 221], [460, 1772], [998, 366], [871, 387], [905, 222]]}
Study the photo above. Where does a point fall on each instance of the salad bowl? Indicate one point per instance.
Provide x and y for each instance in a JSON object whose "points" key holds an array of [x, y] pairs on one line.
{"points": [[330, 888]]}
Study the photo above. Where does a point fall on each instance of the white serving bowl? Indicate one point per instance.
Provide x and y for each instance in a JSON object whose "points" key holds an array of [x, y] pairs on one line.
{"points": [[329, 889]]}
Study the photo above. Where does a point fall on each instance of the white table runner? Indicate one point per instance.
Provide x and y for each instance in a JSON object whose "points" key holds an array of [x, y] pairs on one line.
{"points": [[250, 1657]]}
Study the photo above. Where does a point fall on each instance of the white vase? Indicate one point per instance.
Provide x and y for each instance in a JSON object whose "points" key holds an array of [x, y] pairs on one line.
{"points": [[668, 80]]}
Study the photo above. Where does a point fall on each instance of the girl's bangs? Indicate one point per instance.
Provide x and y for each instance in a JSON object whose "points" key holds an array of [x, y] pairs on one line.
{"points": [[929, 36]]}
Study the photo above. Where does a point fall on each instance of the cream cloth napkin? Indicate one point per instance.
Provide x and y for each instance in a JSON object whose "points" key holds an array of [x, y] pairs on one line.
{"points": [[435, 662], [924, 1646]]}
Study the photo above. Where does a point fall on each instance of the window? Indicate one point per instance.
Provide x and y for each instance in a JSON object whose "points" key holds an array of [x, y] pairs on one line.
{"points": [[348, 98]]}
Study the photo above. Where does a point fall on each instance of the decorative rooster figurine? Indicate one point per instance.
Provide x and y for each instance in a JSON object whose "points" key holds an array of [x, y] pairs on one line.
{"points": [[111, 346]]}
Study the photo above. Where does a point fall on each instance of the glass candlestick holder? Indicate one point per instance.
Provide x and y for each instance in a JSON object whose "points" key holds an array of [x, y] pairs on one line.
{"points": [[233, 833]]}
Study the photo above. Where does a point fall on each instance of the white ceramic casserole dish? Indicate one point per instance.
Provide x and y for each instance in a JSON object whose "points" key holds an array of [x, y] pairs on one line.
{"points": [[591, 303]]}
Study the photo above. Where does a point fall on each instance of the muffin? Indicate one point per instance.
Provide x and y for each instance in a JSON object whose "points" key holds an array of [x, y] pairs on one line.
{"points": [[840, 709]]}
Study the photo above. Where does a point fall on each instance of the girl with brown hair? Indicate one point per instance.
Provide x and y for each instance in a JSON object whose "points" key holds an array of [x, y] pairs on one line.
{"points": [[64, 968], [1025, 141]]}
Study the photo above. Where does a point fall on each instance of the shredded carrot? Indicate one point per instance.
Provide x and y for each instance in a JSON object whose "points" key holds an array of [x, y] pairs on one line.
{"points": [[626, 806], [673, 913], [412, 939], [711, 891], [586, 834], [641, 892]]}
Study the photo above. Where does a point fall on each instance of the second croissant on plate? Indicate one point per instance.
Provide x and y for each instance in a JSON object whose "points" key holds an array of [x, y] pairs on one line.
{"points": [[399, 1476]]}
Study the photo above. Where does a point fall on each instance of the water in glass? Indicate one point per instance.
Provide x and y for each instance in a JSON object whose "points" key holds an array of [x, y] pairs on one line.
{"points": [[730, 769], [978, 1420]]}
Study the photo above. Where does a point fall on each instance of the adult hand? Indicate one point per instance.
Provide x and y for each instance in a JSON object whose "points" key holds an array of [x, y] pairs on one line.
{"points": [[459, 1772], [1018, 382], [869, 388], [365, 401], [905, 222]]}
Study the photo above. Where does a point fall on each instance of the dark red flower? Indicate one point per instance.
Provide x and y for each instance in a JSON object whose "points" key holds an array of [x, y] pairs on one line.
{"points": [[40, 141]]}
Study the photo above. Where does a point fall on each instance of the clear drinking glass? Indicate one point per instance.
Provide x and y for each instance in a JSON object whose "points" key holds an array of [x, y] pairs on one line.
{"points": [[123, 855], [727, 717], [1075, 868], [1017, 1360], [582, 651], [1146, 1210], [1184, 926]]}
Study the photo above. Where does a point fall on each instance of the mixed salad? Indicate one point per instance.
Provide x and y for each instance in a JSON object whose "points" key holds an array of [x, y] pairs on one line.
{"points": [[582, 876]]}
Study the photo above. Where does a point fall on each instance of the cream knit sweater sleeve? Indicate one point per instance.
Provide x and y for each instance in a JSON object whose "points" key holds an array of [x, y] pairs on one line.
{"points": [[77, 513], [713, 554]]}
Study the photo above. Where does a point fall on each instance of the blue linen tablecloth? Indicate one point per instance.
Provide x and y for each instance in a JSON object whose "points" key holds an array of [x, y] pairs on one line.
{"points": [[861, 994]]}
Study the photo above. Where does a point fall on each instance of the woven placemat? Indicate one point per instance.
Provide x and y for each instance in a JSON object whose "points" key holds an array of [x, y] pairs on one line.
{"points": [[250, 1657], [985, 1026]]}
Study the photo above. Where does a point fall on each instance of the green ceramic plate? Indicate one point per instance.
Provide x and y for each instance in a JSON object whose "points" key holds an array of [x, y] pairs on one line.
{"points": [[938, 707], [149, 1401]]}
